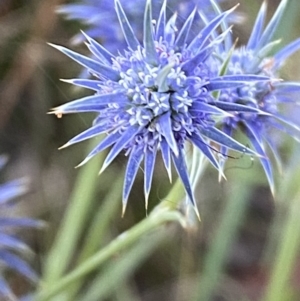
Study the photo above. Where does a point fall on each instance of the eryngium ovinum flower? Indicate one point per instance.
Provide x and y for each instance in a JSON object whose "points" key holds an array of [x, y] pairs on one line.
{"points": [[255, 58], [156, 96], [96, 14], [11, 247]]}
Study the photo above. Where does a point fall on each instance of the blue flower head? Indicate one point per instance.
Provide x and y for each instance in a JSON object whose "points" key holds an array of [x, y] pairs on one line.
{"points": [[156, 96], [257, 57], [97, 14], [11, 247]]}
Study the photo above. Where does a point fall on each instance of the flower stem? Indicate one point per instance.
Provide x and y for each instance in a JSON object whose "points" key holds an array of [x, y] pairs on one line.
{"points": [[98, 230], [120, 270], [74, 220], [124, 240], [219, 249], [286, 257]]}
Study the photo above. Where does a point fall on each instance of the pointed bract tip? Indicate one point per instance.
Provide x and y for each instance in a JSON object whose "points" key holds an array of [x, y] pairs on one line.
{"points": [[64, 146], [229, 11], [272, 188], [235, 43], [104, 166], [55, 111], [229, 29], [170, 177], [101, 171], [68, 81], [146, 201], [276, 80], [236, 6], [197, 213], [175, 150], [227, 114], [221, 176], [83, 162], [124, 208], [85, 35], [55, 46]]}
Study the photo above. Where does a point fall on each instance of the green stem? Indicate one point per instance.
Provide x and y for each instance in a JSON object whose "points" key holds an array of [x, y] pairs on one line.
{"points": [[111, 205], [117, 272], [74, 220], [98, 230], [286, 255], [124, 240], [220, 247]]}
